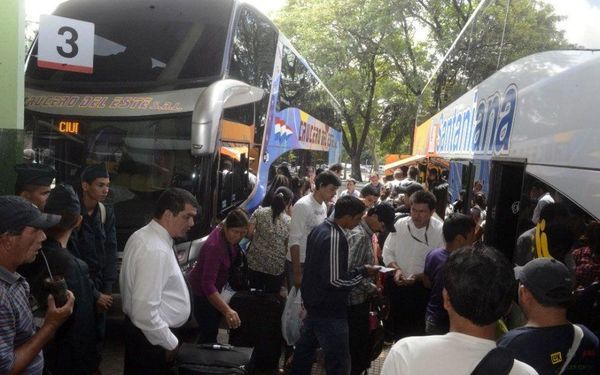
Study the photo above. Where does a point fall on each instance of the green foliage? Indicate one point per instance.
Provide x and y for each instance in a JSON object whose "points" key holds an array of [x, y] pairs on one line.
{"points": [[375, 57]]}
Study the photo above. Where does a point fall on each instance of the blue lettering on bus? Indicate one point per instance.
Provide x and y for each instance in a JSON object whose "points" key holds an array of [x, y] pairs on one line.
{"points": [[507, 115], [482, 128]]}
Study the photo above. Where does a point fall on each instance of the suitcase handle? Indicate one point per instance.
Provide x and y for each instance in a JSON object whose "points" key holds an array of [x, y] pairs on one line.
{"points": [[215, 346]]}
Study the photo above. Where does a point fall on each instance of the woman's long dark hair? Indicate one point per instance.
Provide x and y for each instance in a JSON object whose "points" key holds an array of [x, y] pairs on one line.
{"points": [[281, 199], [278, 181]]}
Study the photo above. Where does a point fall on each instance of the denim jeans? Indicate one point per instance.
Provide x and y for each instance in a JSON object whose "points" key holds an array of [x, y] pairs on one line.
{"points": [[332, 336]]}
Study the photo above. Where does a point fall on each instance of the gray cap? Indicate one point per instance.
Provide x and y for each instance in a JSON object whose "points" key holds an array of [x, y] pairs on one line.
{"points": [[17, 213], [550, 281]]}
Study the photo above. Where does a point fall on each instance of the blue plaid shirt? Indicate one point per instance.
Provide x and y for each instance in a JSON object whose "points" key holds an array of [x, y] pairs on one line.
{"points": [[16, 321]]}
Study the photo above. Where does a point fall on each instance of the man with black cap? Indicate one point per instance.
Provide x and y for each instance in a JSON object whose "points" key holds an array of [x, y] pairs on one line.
{"points": [[548, 342], [21, 236], [360, 252], [74, 349], [96, 241], [33, 182]]}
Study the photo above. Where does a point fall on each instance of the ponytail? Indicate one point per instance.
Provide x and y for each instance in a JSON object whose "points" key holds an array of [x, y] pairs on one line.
{"points": [[281, 199]]}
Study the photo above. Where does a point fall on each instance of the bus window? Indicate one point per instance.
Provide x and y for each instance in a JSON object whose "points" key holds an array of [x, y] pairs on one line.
{"points": [[136, 42], [233, 185], [253, 50]]}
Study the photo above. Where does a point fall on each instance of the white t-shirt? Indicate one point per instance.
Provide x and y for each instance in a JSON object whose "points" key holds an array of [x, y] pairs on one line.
{"points": [[409, 247], [354, 193], [451, 354], [307, 213]]}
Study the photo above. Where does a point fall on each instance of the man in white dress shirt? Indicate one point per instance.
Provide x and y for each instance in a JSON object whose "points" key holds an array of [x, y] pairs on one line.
{"points": [[155, 294], [416, 235]]}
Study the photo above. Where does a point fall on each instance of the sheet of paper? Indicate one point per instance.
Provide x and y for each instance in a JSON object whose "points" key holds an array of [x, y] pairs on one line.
{"points": [[385, 269]]}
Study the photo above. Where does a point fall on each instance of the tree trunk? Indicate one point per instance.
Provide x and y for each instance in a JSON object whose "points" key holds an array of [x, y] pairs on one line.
{"points": [[356, 172]]}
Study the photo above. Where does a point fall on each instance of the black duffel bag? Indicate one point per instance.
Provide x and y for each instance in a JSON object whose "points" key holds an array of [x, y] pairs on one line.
{"points": [[208, 359]]}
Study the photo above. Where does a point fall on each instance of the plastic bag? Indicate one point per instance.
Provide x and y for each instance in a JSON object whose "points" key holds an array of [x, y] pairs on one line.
{"points": [[293, 316]]}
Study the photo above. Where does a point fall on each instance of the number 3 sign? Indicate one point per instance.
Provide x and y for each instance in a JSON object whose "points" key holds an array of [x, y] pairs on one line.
{"points": [[66, 44]]}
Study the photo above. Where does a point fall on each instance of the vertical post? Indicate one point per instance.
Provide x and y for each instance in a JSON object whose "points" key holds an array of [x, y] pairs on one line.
{"points": [[12, 57]]}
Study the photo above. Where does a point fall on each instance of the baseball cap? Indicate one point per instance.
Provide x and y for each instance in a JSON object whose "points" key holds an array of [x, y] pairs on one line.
{"points": [[17, 213], [34, 174], [62, 199], [386, 214], [94, 171], [547, 279]]}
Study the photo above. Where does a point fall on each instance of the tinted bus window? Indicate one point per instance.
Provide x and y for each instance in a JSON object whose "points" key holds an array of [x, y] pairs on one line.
{"points": [[253, 50], [166, 43]]}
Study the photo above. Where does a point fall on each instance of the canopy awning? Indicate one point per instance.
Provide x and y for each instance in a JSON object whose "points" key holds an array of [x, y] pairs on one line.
{"points": [[401, 162], [416, 159]]}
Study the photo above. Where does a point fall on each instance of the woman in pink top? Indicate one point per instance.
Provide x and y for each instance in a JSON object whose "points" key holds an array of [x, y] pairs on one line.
{"points": [[210, 275]]}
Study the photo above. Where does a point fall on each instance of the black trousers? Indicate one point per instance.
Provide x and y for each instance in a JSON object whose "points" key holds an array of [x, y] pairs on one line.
{"points": [[208, 319], [358, 326], [141, 357], [266, 282], [407, 308]]}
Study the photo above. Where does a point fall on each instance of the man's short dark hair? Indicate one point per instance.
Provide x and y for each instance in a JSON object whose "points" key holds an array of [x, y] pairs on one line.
{"points": [[538, 185], [480, 284], [457, 224], [413, 172], [174, 200], [337, 167], [327, 178], [425, 197], [348, 205], [369, 190], [559, 233], [554, 212]]}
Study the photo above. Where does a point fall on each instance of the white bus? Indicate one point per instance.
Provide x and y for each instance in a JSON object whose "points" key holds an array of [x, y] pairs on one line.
{"points": [[537, 118], [206, 95]]}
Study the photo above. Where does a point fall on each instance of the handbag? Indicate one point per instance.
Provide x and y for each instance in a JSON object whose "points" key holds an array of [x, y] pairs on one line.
{"points": [[238, 272]]}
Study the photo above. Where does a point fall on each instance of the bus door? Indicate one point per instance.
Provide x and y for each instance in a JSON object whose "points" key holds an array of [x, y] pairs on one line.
{"points": [[460, 179], [506, 184]]}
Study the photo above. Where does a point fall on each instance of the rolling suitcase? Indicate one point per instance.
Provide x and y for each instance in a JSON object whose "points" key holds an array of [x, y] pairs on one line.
{"points": [[207, 359], [260, 314]]}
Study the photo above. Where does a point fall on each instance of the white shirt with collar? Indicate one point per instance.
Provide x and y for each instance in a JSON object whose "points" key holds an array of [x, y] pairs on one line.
{"points": [[307, 213], [410, 245], [155, 295]]}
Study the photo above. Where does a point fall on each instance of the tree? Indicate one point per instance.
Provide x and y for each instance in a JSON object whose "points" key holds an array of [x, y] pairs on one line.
{"points": [[375, 56], [531, 26], [343, 41]]}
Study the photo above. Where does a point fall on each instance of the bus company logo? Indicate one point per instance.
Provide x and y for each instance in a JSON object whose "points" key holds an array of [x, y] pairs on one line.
{"points": [[484, 127], [282, 130]]}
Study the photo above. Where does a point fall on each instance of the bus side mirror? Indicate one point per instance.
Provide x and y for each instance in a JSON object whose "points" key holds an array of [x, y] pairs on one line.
{"points": [[209, 108]]}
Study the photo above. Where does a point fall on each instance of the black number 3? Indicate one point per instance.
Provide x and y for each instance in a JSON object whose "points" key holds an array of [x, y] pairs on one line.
{"points": [[70, 41]]}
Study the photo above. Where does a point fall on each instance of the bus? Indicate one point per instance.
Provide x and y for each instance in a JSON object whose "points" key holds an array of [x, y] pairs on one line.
{"points": [[535, 120], [204, 95]]}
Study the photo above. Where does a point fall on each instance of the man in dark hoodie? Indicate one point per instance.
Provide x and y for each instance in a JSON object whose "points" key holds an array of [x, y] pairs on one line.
{"points": [[327, 283]]}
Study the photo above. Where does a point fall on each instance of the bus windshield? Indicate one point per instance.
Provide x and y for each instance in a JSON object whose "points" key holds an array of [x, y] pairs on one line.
{"points": [[177, 43]]}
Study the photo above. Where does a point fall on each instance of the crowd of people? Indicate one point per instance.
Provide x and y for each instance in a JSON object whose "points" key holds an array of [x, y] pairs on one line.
{"points": [[450, 297]]}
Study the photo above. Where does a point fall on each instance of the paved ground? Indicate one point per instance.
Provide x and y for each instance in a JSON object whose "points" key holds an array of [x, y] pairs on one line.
{"points": [[112, 363]]}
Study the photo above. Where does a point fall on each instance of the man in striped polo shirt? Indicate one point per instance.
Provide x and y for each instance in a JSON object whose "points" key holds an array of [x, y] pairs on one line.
{"points": [[21, 236]]}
